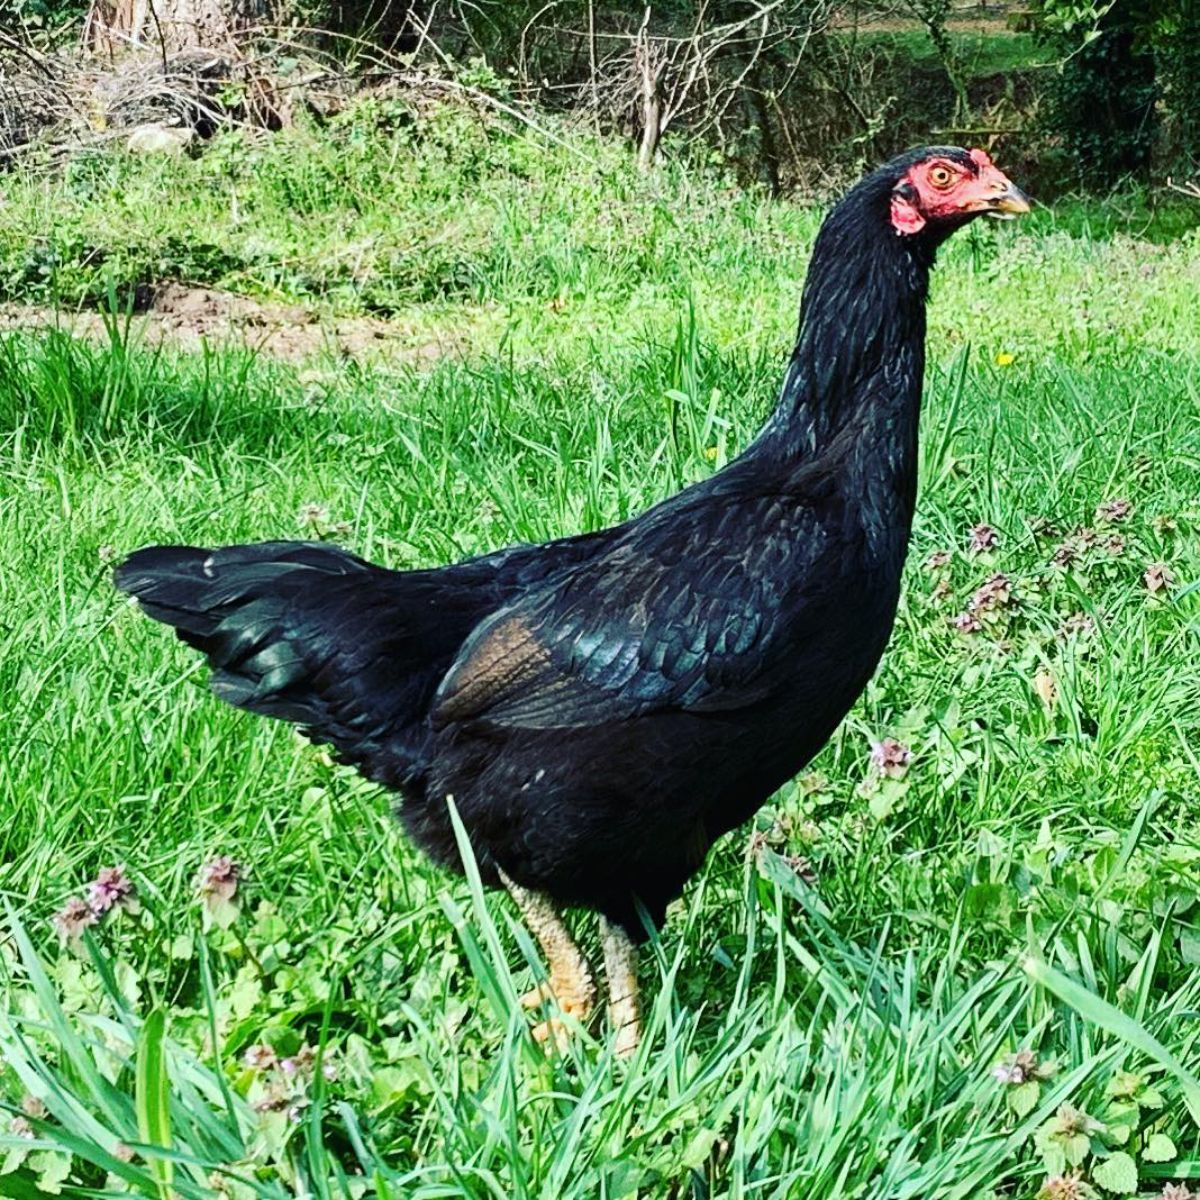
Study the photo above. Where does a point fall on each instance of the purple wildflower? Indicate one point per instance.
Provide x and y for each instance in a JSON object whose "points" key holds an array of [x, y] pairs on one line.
{"points": [[966, 623], [219, 878], [1021, 1067], [312, 516], [994, 594], [300, 1063], [73, 918], [1158, 578], [890, 758], [1078, 624], [1112, 511], [983, 539], [1064, 554], [1065, 1187], [260, 1058], [1070, 1121], [112, 888]]}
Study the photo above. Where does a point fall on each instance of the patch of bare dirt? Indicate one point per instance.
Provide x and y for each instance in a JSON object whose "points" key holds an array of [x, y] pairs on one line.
{"points": [[184, 316]]}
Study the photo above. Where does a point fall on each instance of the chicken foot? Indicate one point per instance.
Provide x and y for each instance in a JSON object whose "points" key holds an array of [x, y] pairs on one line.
{"points": [[620, 970], [570, 984]]}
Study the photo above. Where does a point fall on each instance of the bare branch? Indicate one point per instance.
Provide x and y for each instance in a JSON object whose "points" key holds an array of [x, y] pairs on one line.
{"points": [[1190, 189]]}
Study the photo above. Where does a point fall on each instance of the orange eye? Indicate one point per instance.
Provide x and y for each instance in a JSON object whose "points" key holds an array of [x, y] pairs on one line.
{"points": [[941, 177]]}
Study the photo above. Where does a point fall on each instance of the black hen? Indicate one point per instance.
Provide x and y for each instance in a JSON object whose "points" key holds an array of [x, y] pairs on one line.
{"points": [[603, 707]]}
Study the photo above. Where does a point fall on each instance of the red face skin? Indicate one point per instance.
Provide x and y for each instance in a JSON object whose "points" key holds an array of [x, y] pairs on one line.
{"points": [[942, 189]]}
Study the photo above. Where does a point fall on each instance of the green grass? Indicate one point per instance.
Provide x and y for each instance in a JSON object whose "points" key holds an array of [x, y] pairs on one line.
{"points": [[981, 51], [824, 1029]]}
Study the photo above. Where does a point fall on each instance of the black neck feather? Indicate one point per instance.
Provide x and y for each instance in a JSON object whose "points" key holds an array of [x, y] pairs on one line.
{"points": [[859, 352]]}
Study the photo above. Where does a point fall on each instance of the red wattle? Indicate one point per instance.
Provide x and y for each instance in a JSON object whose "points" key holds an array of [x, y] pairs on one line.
{"points": [[906, 218]]}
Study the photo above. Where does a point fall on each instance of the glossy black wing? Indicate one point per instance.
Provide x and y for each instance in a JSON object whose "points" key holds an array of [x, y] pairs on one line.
{"points": [[682, 614]]}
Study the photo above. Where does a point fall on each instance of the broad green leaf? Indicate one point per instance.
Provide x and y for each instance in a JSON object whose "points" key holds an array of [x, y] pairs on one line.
{"points": [[1024, 1097], [1159, 1148], [1077, 1148], [1053, 1158], [1117, 1173], [1121, 1118], [1189, 945], [52, 1168]]}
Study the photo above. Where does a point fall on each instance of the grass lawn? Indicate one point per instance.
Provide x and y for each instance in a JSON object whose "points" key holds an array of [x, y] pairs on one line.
{"points": [[981, 48], [889, 987]]}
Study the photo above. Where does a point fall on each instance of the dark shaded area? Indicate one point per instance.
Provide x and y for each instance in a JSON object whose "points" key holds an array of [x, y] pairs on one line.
{"points": [[1104, 106]]}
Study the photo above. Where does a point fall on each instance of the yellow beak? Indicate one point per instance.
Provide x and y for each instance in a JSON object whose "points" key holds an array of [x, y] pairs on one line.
{"points": [[1011, 202]]}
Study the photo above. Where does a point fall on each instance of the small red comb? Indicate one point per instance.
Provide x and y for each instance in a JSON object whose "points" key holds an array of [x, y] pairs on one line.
{"points": [[981, 158]]}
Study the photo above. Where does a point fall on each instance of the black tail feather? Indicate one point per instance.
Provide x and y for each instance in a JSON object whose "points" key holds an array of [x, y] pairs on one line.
{"points": [[309, 633]]}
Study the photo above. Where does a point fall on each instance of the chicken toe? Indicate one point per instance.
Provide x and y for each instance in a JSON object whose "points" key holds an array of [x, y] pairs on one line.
{"points": [[570, 985]]}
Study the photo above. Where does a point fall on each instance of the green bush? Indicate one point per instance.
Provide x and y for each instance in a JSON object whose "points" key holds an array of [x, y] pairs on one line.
{"points": [[1178, 55], [1103, 105], [1127, 98]]}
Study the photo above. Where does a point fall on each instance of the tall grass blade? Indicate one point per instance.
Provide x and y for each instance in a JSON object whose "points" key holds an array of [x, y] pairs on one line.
{"points": [[1099, 1012], [152, 1096]]}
